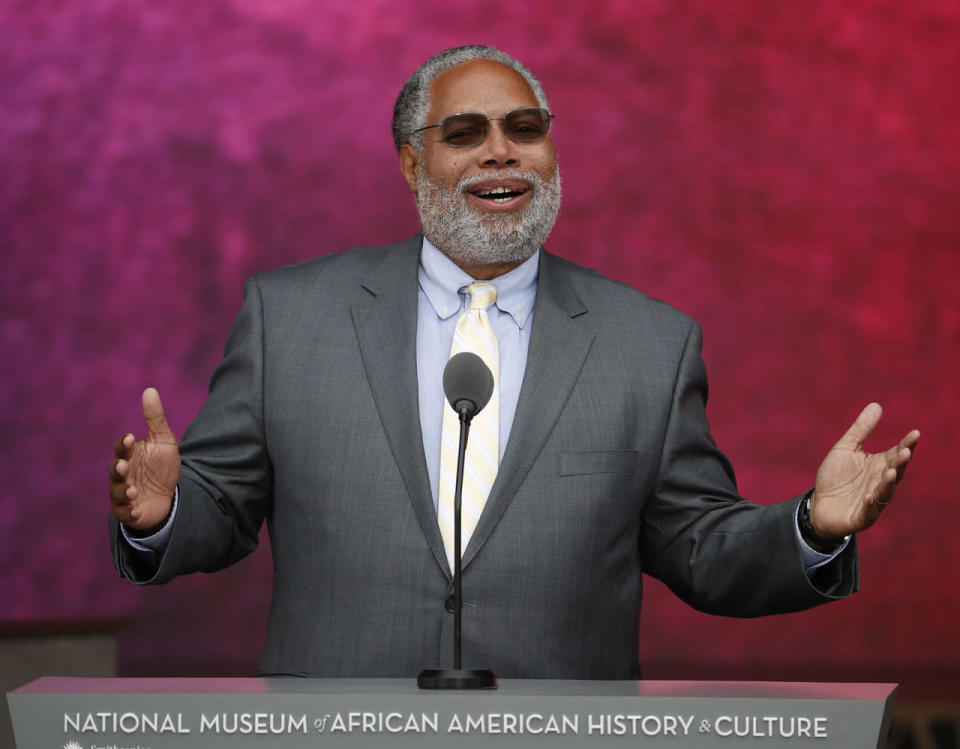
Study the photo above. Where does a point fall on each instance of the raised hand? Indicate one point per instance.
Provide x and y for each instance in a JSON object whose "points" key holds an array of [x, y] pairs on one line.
{"points": [[144, 473], [853, 486]]}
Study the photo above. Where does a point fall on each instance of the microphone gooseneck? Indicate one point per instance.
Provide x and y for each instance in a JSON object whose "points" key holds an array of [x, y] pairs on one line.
{"points": [[468, 385]]}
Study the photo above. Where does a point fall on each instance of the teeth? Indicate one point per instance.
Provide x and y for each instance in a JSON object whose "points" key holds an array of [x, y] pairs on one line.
{"points": [[490, 194]]}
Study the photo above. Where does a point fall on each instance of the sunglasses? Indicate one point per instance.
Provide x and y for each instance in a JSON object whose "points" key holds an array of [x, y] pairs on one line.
{"points": [[524, 125]]}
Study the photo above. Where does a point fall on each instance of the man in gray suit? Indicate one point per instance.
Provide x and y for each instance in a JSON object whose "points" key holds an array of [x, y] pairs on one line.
{"points": [[326, 419]]}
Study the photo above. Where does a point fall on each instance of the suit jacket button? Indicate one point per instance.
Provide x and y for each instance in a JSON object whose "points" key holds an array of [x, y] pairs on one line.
{"points": [[448, 603]]}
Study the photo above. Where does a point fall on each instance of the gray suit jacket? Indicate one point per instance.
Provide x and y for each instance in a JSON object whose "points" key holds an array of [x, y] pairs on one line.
{"points": [[312, 424]]}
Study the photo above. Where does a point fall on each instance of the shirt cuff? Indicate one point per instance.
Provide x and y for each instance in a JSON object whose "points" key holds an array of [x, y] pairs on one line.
{"points": [[156, 542]]}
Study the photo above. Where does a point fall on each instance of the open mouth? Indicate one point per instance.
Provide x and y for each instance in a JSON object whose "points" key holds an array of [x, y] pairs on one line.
{"points": [[500, 194]]}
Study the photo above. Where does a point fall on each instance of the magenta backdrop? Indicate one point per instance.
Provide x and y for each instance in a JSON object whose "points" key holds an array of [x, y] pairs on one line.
{"points": [[788, 175]]}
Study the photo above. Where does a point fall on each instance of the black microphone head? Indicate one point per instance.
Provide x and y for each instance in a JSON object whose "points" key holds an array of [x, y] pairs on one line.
{"points": [[467, 383]]}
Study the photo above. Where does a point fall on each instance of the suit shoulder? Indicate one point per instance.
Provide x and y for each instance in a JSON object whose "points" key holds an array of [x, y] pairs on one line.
{"points": [[337, 267], [605, 296]]}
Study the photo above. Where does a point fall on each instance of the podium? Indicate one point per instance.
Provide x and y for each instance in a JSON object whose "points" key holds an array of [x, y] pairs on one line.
{"points": [[294, 713]]}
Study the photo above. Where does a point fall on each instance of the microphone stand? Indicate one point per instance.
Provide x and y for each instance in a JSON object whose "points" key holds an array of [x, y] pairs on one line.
{"points": [[458, 677]]}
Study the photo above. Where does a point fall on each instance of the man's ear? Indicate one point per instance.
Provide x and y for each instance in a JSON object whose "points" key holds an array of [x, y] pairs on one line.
{"points": [[409, 158]]}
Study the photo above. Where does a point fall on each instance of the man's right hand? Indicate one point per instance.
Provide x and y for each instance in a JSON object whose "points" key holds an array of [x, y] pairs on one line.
{"points": [[144, 473]]}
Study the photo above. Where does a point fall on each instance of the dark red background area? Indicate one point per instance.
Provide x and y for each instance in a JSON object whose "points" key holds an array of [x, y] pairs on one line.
{"points": [[786, 174]]}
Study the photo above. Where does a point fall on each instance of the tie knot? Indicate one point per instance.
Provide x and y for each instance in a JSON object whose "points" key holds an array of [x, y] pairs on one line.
{"points": [[482, 295]]}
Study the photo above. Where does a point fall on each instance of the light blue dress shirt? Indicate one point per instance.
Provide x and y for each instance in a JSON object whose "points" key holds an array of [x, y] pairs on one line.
{"points": [[442, 299]]}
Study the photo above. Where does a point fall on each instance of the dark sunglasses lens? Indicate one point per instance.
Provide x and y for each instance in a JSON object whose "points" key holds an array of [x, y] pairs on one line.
{"points": [[529, 124], [465, 129]]}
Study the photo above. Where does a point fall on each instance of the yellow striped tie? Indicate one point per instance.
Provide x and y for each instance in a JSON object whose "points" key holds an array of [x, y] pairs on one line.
{"points": [[474, 333]]}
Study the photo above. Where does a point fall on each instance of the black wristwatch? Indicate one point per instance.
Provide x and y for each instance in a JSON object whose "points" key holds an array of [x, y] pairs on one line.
{"points": [[806, 527]]}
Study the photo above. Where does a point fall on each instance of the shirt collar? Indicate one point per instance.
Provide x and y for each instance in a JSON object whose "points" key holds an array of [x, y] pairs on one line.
{"points": [[441, 280]]}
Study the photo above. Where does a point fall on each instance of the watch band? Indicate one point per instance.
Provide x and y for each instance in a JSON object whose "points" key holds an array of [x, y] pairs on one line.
{"points": [[807, 530]]}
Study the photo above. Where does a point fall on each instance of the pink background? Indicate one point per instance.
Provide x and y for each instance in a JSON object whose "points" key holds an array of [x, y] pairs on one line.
{"points": [[788, 175]]}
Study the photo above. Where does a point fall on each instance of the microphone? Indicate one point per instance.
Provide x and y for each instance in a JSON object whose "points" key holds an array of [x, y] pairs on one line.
{"points": [[467, 383]]}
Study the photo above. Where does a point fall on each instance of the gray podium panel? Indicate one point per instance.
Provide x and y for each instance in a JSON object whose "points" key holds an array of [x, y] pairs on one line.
{"points": [[75, 713]]}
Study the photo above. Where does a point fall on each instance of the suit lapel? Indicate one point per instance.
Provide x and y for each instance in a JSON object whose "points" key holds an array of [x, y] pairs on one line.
{"points": [[559, 343], [386, 325]]}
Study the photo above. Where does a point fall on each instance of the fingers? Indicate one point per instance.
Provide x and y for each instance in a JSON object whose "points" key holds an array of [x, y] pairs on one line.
{"points": [[858, 432], [121, 493], [123, 447], [118, 470], [910, 439], [897, 458], [904, 452], [155, 417], [883, 494]]}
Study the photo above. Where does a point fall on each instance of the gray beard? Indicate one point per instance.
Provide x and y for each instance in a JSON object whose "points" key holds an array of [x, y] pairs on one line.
{"points": [[471, 238]]}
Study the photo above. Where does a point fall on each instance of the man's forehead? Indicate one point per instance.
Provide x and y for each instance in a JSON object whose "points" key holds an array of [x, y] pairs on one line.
{"points": [[479, 86]]}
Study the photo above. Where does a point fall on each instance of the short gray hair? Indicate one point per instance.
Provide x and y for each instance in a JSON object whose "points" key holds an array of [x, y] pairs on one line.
{"points": [[413, 102]]}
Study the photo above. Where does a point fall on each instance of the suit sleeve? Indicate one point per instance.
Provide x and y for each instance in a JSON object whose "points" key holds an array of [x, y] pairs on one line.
{"points": [[717, 551], [226, 478]]}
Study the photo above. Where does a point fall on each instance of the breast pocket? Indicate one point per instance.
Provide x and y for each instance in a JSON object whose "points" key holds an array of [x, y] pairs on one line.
{"points": [[598, 461]]}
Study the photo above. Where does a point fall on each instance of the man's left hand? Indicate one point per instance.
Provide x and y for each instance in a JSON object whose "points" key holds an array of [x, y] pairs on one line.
{"points": [[853, 486]]}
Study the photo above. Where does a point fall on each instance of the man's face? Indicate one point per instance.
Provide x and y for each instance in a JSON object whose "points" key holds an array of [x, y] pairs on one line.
{"points": [[458, 210]]}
